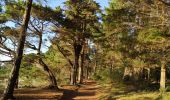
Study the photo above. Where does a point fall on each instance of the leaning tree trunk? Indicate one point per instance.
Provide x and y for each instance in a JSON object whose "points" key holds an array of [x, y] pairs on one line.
{"points": [[53, 81], [52, 78], [163, 75], [15, 71]]}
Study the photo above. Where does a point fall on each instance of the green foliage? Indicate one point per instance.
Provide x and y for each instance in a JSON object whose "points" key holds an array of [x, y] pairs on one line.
{"points": [[151, 35], [4, 71], [46, 13], [108, 75], [59, 65]]}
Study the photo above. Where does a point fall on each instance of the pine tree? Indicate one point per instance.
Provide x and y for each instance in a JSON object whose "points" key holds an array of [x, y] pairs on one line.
{"points": [[8, 94], [80, 23]]}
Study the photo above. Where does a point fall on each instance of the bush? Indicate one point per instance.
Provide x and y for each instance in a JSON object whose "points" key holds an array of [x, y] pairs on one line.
{"points": [[106, 75]]}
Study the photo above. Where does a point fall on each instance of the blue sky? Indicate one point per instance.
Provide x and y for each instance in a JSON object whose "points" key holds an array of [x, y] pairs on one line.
{"points": [[54, 3]]}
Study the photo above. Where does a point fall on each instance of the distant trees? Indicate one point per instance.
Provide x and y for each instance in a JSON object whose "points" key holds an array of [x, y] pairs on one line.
{"points": [[139, 31]]}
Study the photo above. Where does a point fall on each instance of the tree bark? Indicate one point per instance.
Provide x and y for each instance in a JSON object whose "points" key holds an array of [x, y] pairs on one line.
{"points": [[81, 72], [77, 50], [163, 75], [16, 84], [8, 93]]}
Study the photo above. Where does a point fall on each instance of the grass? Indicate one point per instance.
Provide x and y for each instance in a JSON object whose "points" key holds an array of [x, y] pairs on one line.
{"points": [[119, 91]]}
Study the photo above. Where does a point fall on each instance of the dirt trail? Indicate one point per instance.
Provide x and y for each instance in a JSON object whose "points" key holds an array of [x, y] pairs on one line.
{"points": [[36, 94], [87, 91]]}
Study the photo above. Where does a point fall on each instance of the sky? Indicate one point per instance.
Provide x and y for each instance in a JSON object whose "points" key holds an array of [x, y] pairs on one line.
{"points": [[54, 3]]}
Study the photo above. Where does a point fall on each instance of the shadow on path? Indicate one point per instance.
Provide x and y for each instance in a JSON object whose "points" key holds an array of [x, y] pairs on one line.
{"points": [[87, 91]]}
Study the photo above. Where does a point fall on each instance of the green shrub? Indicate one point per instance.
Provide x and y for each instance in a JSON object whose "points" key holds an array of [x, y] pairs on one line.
{"points": [[106, 75]]}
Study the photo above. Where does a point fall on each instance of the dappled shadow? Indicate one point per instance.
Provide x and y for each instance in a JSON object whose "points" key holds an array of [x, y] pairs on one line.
{"points": [[87, 91], [117, 91], [37, 94], [68, 94]]}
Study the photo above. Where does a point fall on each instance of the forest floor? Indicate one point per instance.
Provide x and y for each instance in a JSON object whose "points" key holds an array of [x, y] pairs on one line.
{"points": [[120, 91], [89, 90], [36, 94]]}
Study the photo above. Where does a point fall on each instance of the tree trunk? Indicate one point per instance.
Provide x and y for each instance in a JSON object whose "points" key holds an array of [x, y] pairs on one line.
{"points": [[16, 84], [8, 93], [128, 72], [73, 76], [87, 70], [53, 81], [81, 69], [133, 74], [163, 75], [77, 50]]}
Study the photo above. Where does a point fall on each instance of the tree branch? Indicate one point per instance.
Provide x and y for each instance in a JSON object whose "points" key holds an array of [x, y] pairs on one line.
{"points": [[65, 56]]}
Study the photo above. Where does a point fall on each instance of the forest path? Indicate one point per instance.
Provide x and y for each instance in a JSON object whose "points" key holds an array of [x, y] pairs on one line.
{"points": [[35, 94], [88, 91]]}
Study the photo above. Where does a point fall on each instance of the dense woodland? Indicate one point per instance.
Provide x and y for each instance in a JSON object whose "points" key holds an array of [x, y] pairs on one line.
{"points": [[124, 48]]}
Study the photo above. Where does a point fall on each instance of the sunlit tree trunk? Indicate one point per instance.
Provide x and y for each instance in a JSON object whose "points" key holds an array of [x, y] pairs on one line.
{"points": [[81, 72], [163, 75], [15, 71]]}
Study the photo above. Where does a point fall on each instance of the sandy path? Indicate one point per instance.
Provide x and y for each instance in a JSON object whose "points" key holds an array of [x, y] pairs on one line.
{"points": [[36, 94], [88, 91]]}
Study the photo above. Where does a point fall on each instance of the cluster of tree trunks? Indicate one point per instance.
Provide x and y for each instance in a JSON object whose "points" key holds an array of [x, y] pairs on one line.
{"points": [[79, 69], [132, 74]]}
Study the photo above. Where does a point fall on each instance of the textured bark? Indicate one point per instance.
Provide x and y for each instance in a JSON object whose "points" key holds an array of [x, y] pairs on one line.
{"points": [[163, 75], [15, 71]]}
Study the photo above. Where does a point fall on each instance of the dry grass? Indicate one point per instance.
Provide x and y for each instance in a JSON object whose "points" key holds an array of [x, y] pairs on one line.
{"points": [[128, 92]]}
